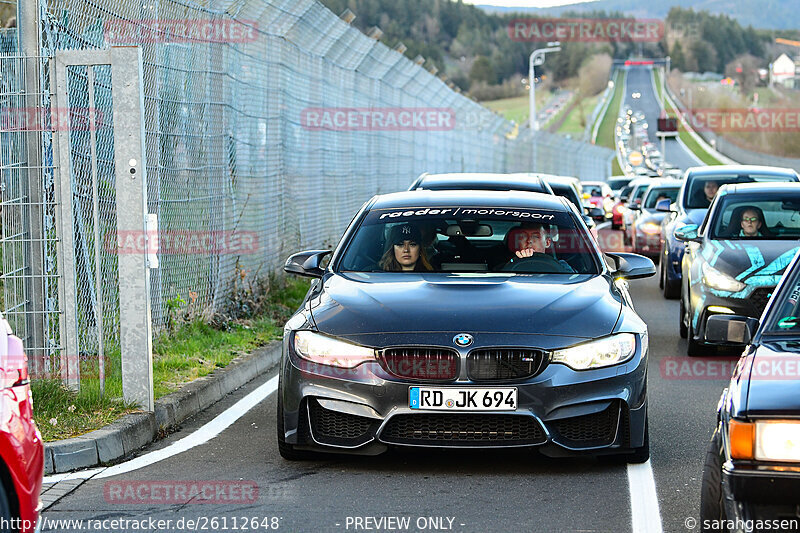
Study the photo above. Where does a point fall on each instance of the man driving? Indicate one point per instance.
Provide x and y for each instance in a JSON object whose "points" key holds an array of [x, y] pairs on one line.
{"points": [[532, 240]]}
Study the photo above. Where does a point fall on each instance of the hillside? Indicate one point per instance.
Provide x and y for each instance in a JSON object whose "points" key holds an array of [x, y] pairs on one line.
{"points": [[766, 14], [472, 47]]}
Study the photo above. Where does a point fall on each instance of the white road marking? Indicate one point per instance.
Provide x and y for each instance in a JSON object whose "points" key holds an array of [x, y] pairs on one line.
{"points": [[200, 436], [80, 474], [645, 515]]}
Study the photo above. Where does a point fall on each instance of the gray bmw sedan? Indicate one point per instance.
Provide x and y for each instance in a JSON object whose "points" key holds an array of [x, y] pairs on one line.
{"points": [[464, 319]]}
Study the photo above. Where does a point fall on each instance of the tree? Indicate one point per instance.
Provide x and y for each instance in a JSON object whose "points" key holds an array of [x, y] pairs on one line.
{"points": [[593, 74], [744, 69], [677, 58], [482, 70], [704, 55]]}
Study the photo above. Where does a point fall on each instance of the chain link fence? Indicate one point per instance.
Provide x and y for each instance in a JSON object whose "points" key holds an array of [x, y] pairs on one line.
{"points": [[272, 119]]}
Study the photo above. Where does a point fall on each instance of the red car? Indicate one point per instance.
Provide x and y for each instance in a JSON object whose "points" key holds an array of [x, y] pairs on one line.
{"points": [[21, 448], [599, 194]]}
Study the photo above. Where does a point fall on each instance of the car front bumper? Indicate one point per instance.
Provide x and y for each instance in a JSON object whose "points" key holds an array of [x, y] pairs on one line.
{"points": [[561, 411], [705, 303], [760, 492]]}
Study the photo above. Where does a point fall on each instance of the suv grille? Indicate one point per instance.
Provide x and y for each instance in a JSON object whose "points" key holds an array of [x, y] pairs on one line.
{"points": [[420, 363], [598, 429], [759, 298], [491, 364], [463, 430], [333, 427]]}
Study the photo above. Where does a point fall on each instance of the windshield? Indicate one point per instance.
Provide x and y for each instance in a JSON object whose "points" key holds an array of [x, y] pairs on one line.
{"points": [[773, 216], [638, 192], [785, 317], [657, 194], [618, 183], [470, 239], [596, 189], [702, 190]]}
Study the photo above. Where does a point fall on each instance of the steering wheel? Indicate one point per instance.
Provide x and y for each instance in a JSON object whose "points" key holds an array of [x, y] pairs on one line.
{"points": [[535, 264]]}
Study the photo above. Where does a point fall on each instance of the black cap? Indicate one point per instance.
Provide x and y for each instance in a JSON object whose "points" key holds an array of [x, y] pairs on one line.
{"points": [[404, 232]]}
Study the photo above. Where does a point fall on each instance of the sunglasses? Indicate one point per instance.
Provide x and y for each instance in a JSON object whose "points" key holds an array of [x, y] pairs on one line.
{"points": [[750, 219]]}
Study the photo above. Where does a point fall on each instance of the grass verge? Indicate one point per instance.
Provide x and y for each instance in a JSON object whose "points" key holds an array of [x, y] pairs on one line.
{"points": [[518, 107], [575, 123], [605, 134], [191, 350]]}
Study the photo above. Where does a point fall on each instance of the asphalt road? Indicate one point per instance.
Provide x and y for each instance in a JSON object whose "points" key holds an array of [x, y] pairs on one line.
{"points": [[639, 79], [480, 491]]}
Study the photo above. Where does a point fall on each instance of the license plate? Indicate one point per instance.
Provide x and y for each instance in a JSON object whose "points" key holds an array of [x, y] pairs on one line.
{"points": [[471, 399]]}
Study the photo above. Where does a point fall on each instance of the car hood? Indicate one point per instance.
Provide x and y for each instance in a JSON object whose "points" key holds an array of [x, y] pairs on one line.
{"points": [[775, 380], [357, 304], [755, 262]]}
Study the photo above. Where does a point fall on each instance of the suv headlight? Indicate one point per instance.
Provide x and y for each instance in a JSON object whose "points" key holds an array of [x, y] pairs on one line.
{"points": [[329, 351], [597, 354], [719, 280]]}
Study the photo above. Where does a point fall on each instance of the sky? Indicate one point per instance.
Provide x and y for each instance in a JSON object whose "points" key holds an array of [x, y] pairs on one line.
{"points": [[523, 3]]}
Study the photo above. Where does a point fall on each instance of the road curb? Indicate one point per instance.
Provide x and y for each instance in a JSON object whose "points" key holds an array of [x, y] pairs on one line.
{"points": [[135, 430]]}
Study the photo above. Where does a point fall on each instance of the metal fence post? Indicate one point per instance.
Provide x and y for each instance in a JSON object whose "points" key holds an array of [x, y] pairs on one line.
{"points": [[68, 323], [29, 30], [136, 343]]}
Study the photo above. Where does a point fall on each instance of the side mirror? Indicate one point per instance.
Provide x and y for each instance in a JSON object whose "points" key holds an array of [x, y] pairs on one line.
{"points": [[730, 329], [589, 221], [635, 206], [624, 198], [596, 212], [306, 263], [632, 266], [663, 206], [686, 233]]}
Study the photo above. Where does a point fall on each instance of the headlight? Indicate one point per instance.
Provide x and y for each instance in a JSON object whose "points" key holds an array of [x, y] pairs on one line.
{"points": [[719, 280], [651, 228], [329, 351], [596, 354], [777, 440]]}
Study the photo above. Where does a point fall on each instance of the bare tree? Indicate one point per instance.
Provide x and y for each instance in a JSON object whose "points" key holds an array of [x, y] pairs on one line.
{"points": [[744, 69]]}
